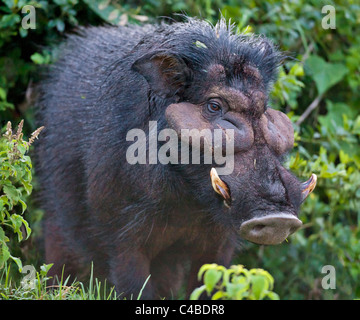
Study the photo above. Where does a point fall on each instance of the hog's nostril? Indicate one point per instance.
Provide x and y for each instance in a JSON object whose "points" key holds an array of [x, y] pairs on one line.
{"points": [[270, 229]]}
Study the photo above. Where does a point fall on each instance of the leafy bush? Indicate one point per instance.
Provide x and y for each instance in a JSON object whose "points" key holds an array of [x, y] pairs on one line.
{"points": [[38, 288], [235, 283], [15, 185]]}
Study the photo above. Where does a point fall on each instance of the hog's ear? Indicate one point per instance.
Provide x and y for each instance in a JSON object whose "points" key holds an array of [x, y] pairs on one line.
{"points": [[166, 74], [278, 130]]}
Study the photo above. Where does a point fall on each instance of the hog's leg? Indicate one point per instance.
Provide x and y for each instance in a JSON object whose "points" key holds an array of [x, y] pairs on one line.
{"points": [[167, 272], [64, 254], [129, 270]]}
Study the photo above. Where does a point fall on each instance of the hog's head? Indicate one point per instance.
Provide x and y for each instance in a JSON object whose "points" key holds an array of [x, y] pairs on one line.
{"points": [[216, 80]]}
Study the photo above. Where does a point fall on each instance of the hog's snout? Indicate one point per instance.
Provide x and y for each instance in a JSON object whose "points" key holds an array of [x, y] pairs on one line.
{"points": [[270, 229]]}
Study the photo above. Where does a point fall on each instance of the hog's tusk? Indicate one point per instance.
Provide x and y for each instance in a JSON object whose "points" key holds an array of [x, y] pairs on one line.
{"points": [[308, 186], [219, 186]]}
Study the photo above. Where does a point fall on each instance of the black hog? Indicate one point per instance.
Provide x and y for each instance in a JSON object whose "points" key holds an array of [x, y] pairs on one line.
{"points": [[133, 217]]}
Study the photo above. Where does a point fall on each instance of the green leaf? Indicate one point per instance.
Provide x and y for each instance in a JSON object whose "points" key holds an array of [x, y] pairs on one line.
{"points": [[60, 25], [219, 295], [297, 70], [17, 221], [2, 235], [105, 10], [23, 205], [37, 58], [344, 158], [211, 278], [12, 193], [200, 45], [27, 228], [195, 295], [21, 148], [9, 20], [237, 290], [4, 254], [2, 94], [272, 295], [44, 269], [356, 126], [204, 268], [27, 186], [17, 261], [259, 286], [325, 74]]}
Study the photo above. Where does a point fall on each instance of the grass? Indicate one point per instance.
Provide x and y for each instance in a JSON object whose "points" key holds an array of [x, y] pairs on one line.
{"points": [[39, 288]]}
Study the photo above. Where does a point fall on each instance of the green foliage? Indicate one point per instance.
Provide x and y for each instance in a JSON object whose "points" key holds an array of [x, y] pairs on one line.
{"points": [[15, 185], [37, 288], [325, 74], [235, 283], [288, 86], [318, 88]]}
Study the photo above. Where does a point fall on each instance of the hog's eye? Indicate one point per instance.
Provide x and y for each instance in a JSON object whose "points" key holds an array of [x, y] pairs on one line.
{"points": [[213, 106]]}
